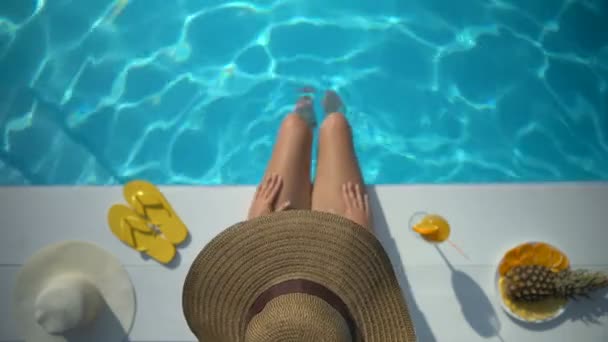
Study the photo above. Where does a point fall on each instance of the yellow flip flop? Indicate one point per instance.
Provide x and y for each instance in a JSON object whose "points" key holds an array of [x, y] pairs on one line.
{"points": [[150, 203], [135, 232]]}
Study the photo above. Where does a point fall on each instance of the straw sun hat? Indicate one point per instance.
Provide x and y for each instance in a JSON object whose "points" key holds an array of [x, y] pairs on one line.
{"points": [[73, 291], [295, 276]]}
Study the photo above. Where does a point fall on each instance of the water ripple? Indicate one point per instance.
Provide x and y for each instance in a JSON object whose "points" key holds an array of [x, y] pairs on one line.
{"points": [[192, 92]]}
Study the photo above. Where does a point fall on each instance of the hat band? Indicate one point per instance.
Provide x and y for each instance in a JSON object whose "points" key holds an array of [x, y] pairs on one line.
{"points": [[307, 287]]}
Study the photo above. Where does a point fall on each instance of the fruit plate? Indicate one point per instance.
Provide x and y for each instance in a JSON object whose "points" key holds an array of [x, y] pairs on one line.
{"points": [[541, 312]]}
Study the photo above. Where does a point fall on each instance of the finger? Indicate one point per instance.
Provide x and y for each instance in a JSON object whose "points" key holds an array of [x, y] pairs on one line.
{"points": [[284, 206], [345, 196], [267, 186], [367, 208], [275, 187], [262, 186], [351, 193], [359, 195], [349, 199]]}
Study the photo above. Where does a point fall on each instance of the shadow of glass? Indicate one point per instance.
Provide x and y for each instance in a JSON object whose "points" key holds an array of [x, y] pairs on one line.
{"points": [[106, 328], [474, 304], [423, 330]]}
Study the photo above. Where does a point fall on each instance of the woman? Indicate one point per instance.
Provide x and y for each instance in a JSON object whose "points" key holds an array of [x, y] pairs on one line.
{"points": [[306, 265]]}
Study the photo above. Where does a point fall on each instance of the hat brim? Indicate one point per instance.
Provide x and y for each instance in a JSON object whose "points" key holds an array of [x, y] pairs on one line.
{"points": [[249, 257], [113, 321]]}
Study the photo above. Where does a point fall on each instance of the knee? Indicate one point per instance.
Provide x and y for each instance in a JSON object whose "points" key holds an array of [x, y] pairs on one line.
{"points": [[335, 121], [294, 123]]}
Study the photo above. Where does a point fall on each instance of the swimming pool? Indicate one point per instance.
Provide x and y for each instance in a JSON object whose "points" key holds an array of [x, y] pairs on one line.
{"points": [[192, 92]]}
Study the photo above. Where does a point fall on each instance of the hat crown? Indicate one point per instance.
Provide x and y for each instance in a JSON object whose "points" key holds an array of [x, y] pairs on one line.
{"points": [[298, 317], [67, 302]]}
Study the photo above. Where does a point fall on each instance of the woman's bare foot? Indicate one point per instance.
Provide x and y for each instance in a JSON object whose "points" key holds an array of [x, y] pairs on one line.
{"points": [[304, 107], [266, 196], [356, 204], [332, 103]]}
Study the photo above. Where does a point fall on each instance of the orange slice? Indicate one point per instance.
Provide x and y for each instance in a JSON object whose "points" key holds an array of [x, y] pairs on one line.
{"points": [[534, 253], [558, 261], [560, 264], [565, 263], [544, 254], [526, 254], [425, 229], [513, 253], [555, 267], [506, 265], [511, 259]]}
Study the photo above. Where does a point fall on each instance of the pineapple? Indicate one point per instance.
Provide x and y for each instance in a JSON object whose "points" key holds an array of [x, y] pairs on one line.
{"points": [[533, 283]]}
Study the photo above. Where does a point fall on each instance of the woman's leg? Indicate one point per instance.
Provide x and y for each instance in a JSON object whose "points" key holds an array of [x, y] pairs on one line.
{"points": [[291, 156], [338, 185]]}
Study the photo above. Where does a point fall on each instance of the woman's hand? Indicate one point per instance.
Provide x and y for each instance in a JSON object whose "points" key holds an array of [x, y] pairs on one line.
{"points": [[356, 204], [266, 196]]}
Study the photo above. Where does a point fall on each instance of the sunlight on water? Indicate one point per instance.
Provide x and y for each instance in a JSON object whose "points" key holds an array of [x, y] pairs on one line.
{"points": [[192, 92]]}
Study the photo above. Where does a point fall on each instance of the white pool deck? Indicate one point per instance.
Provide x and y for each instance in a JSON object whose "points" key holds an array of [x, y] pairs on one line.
{"points": [[447, 304]]}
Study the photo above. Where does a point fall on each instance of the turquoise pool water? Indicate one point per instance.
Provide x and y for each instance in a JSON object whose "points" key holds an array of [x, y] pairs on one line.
{"points": [[192, 92]]}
